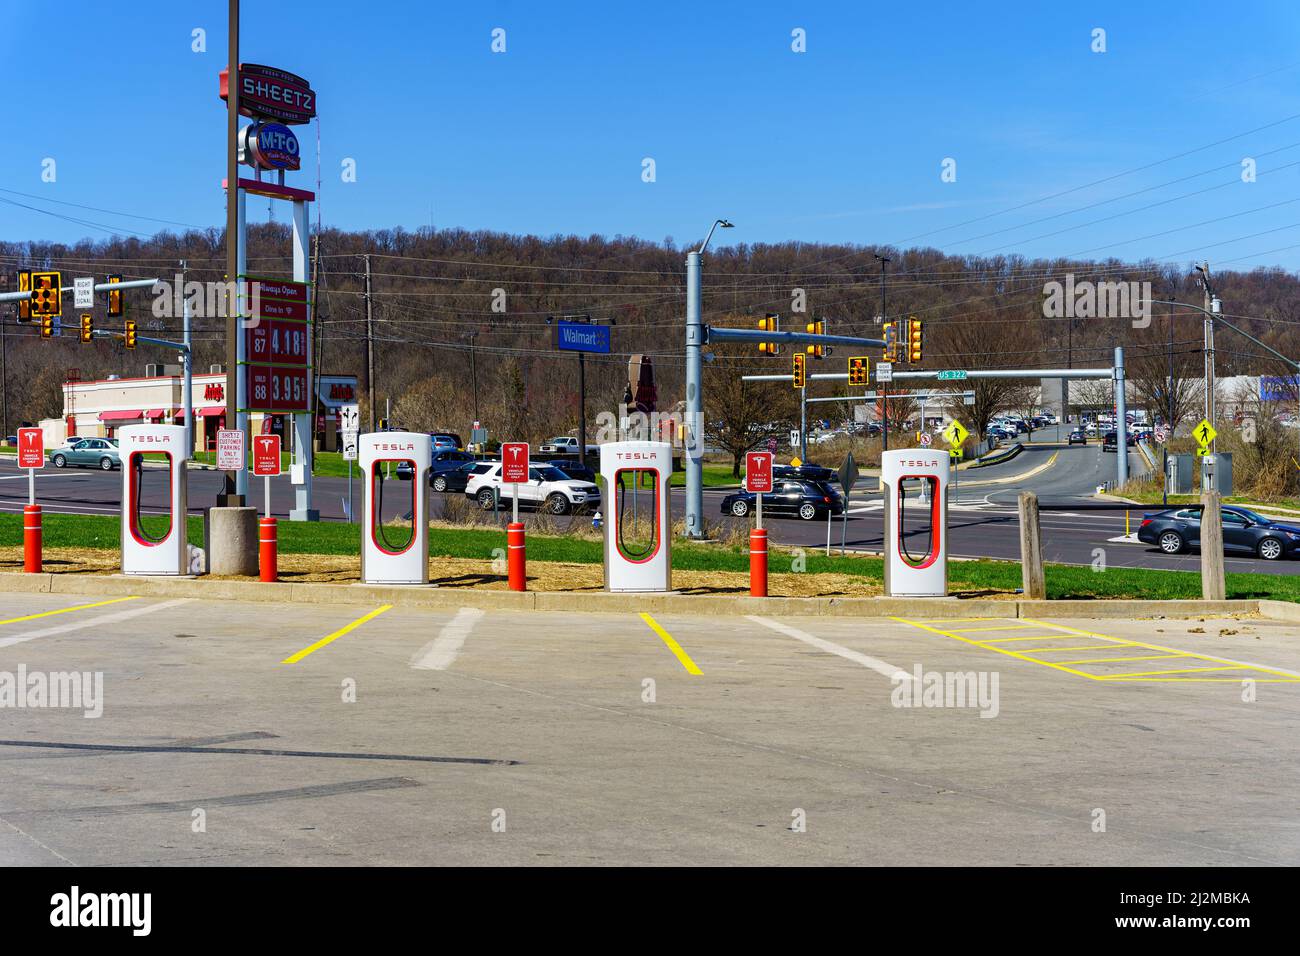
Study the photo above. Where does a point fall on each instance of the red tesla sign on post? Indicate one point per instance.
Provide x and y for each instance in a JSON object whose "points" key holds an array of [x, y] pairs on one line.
{"points": [[266, 456], [514, 462], [31, 448], [758, 472]]}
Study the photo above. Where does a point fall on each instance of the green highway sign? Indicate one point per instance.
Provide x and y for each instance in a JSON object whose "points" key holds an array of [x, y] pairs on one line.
{"points": [[953, 374]]}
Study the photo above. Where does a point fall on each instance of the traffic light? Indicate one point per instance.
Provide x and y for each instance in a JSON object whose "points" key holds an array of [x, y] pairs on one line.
{"points": [[890, 334], [47, 298], [817, 328], [772, 323], [129, 338], [47, 326], [859, 370], [24, 305], [87, 328], [914, 337], [798, 369], [115, 299]]}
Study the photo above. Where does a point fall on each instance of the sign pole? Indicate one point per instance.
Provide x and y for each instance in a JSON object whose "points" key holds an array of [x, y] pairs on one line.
{"points": [[514, 516], [759, 511], [351, 520], [267, 483]]}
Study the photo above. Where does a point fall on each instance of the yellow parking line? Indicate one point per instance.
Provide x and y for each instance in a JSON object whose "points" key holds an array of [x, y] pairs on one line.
{"points": [[1076, 647], [673, 646], [311, 649], [954, 620], [65, 610], [1000, 627], [1186, 670], [1036, 637], [987, 647], [1107, 660]]}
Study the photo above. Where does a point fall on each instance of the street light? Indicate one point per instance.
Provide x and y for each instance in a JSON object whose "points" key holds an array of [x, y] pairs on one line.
{"points": [[694, 388], [884, 392]]}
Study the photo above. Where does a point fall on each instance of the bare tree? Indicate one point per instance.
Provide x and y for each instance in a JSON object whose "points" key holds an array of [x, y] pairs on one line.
{"points": [[740, 416]]}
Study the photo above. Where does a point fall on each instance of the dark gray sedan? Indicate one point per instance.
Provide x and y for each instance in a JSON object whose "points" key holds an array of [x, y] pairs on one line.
{"points": [[1179, 529]]}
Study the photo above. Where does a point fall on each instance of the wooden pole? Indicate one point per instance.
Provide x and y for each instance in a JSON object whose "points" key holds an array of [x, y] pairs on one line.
{"points": [[1032, 577], [1212, 584]]}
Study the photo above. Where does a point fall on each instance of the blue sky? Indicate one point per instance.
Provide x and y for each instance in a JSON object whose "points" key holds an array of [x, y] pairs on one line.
{"points": [[841, 143]]}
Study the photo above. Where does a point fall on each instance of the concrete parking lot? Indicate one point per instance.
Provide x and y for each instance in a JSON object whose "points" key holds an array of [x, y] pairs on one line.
{"points": [[245, 734]]}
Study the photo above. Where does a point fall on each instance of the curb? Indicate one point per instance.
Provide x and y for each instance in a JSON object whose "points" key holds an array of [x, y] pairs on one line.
{"points": [[605, 602]]}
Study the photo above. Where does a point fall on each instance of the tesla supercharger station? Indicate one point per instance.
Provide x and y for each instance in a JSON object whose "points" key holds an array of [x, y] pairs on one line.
{"points": [[914, 485], [634, 478], [388, 557], [153, 550]]}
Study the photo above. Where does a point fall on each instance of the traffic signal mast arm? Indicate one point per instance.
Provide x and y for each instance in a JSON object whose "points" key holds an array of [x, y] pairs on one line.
{"points": [[99, 287], [715, 334], [166, 343]]}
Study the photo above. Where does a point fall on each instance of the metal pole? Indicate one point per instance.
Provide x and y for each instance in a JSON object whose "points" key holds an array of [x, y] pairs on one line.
{"points": [[582, 407], [884, 402], [4, 381], [759, 510], [351, 517], [370, 349], [1121, 419], [240, 418], [1169, 408], [803, 424], [187, 360], [694, 401], [304, 423], [230, 495]]}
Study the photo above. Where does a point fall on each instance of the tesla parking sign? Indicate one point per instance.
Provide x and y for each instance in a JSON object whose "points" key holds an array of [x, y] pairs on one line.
{"points": [[514, 462], [266, 456], [758, 472], [31, 448]]}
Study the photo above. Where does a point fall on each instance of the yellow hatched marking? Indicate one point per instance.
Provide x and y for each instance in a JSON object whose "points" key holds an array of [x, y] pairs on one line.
{"points": [[1109, 660], [1000, 627], [1074, 647], [1186, 670], [987, 647]]}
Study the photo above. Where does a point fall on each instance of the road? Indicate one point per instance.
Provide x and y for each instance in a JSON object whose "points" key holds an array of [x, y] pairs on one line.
{"points": [[247, 734], [983, 521]]}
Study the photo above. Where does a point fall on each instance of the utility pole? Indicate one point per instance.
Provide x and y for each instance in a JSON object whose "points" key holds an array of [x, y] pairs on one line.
{"points": [[187, 364], [884, 390], [229, 497], [4, 370], [1211, 307], [473, 370], [370, 349], [1169, 400]]}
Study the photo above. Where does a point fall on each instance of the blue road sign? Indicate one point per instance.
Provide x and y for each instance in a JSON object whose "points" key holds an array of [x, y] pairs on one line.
{"points": [[580, 337]]}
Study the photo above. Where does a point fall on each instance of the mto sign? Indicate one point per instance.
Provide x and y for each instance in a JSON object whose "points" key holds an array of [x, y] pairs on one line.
{"points": [[31, 448], [266, 456], [274, 146], [514, 462], [265, 92], [758, 472]]}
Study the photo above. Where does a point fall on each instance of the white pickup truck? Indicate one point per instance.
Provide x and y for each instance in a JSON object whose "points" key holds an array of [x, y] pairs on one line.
{"points": [[562, 445]]}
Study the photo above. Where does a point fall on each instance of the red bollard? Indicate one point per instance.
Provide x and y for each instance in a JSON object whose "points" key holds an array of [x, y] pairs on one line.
{"points": [[758, 562], [32, 539], [516, 556], [267, 545]]}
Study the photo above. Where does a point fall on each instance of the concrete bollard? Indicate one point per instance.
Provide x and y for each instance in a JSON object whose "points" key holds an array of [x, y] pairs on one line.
{"points": [[234, 541], [516, 557], [758, 562], [1213, 587], [32, 537], [1033, 579]]}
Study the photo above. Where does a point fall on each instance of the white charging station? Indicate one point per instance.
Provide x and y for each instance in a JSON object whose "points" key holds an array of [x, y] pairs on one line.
{"points": [[634, 477], [914, 485], [146, 547], [388, 554]]}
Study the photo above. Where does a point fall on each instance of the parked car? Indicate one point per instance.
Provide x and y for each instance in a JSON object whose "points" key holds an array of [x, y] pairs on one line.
{"points": [[1077, 437], [1178, 529], [547, 487], [807, 499], [573, 468], [456, 479], [445, 441], [443, 461], [87, 452]]}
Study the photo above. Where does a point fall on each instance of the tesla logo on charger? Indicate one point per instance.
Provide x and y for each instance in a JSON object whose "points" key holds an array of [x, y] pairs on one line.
{"points": [[393, 446], [153, 439]]}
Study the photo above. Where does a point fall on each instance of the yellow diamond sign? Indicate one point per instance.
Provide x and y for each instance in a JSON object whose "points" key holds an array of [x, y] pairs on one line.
{"points": [[955, 433], [795, 461], [1204, 433]]}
